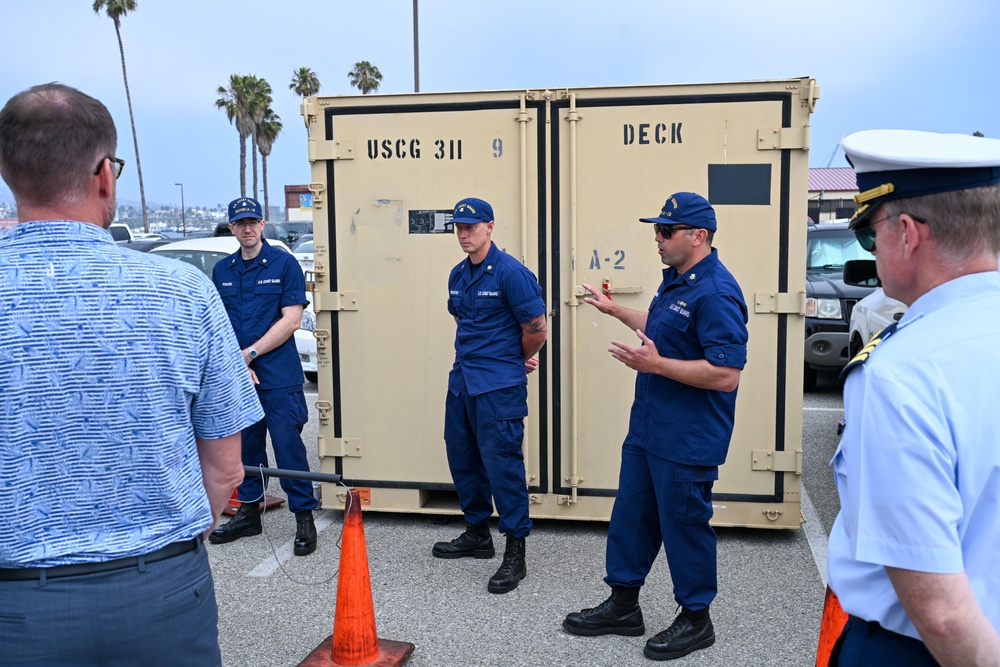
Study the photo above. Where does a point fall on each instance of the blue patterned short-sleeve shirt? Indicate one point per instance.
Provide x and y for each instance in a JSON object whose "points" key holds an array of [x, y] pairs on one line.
{"points": [[111, 362]]}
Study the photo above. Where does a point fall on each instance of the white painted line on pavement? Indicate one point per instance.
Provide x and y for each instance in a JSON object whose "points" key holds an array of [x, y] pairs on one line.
{"points": [[815, 534], [282, 554]]}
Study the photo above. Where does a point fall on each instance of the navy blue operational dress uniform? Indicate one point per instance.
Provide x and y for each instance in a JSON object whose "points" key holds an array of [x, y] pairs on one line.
{"points": [[678, 434], [254, 292], [495, 303]]}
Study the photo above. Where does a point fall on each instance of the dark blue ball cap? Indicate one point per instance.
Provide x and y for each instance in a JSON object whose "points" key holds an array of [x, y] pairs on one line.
{"points": [[471, 210], [244, 207], [686, 208]]}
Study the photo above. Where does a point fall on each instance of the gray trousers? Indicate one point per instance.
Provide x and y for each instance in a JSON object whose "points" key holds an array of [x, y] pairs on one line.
{"points": [[155, 614]]}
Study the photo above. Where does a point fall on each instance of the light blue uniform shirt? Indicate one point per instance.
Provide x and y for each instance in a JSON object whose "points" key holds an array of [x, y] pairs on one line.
{"points": [[918, 468], [111, 362]]}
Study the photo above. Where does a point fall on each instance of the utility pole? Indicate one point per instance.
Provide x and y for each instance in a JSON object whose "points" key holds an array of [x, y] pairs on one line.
{"points": [[416, 50], [183, 223]]}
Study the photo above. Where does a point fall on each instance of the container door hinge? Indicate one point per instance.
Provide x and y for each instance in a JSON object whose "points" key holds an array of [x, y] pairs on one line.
{"points": [[336, 301], [782, 138], [773, 461], [338, 149], [780, 302], [339, 447]]}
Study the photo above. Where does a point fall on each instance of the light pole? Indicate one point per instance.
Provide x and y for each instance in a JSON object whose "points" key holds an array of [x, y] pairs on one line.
{"points": [[183, 223], [416, 50]]}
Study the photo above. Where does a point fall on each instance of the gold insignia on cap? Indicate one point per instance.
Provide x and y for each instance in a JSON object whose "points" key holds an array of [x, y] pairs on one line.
{"points": [[859, 212], [874, 193]]}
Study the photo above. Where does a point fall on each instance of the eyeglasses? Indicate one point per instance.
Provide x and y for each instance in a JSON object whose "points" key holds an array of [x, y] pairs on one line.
{"points": [[117, 165], [866, 235], [667, 230], [246, 222]]}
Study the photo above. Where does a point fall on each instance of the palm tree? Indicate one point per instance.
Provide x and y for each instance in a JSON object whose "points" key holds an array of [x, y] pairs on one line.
{"points": [[304, 82], [234, 100], [116, 9], [365, 77], [267, 132], [258, 101]]}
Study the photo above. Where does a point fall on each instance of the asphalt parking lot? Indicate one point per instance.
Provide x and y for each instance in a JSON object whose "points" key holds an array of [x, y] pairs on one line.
{"points": [[275, 608]]}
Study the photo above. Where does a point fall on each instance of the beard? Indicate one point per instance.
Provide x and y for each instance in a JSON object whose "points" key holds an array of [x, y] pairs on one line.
{"points": [[109, 214]]}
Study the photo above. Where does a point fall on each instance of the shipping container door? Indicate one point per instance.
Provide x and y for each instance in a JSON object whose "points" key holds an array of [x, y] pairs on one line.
{"points": [[619, 154], [392, 174]]}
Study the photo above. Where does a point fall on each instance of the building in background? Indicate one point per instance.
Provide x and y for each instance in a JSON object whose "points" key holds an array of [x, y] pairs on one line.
{"points": [[831, 193], [298, 203]]}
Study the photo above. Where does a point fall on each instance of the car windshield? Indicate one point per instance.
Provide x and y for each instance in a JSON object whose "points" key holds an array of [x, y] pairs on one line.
{"points": [[119, 232], [831, 248], [299, 227], [203, 260], [303, 246]]}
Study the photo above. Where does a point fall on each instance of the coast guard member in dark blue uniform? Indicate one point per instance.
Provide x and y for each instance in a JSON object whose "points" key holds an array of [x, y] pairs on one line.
{"points": [[264, 292], [693, 348], [500, 313]]}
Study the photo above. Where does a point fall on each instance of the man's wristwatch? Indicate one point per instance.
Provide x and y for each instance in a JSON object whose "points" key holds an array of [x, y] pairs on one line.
{"points": [[252, 353]]}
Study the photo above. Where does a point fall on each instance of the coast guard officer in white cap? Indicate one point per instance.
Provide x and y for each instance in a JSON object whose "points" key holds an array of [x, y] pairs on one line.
{"points": [[914, 552]]}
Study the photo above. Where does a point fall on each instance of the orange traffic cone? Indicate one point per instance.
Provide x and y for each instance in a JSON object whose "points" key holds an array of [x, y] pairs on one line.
{"points": [[354, 641], [834, 620]]}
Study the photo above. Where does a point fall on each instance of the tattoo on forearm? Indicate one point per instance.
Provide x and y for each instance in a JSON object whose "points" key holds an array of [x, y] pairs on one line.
{"points": [[536, 325]]}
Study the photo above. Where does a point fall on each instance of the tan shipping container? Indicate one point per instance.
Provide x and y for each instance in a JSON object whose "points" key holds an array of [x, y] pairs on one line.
{"points": [[568, 173]]}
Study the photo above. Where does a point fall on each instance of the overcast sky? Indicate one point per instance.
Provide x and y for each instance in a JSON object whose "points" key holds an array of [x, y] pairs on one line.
{"points": [[879, 63]]}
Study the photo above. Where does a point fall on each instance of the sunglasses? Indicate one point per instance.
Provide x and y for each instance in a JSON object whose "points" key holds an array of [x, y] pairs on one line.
{"points": [[667, 230], [117, 165], [866, 235]]}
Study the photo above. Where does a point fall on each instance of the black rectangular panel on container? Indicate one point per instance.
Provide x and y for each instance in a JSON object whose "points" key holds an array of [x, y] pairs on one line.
{"points": [[739, 184]]}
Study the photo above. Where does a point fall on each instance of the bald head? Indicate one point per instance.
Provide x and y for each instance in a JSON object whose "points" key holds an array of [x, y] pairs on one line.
{"points": [[52, 139]]}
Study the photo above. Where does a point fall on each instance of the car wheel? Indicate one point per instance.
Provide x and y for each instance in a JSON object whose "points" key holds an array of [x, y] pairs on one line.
{"points": [[854, 346], [809, 379], [311, 377]]}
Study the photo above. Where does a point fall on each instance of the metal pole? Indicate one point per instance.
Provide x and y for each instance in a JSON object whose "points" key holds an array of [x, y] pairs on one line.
{"points": [[416, 50], [183, 223], [293, 474]]}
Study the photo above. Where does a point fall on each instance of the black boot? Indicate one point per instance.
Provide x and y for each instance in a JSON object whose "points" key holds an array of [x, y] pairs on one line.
{"points": [[476, 541], [690, 631], [305, 533], [619, 615], [244, 524], [512, 569]]}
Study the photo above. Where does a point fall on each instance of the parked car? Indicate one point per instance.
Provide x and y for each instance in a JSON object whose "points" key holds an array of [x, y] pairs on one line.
{"points": [[120, 231], [297, 229], [142, 244], [874, 312], [829, 300], [303, 251], [203, 253]]}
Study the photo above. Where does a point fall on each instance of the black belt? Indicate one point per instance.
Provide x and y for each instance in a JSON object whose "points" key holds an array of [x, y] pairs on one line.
{"points": [[78, 569]]}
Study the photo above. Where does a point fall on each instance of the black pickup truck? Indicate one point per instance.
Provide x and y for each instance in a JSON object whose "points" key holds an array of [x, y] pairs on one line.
{"points": [[829, 300]]}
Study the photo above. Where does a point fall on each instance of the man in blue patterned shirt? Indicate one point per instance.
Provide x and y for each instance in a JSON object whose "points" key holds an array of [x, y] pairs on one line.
{"points": [[122, 397]]}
